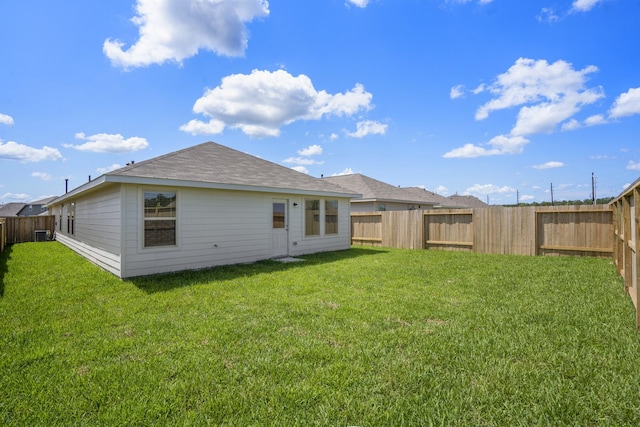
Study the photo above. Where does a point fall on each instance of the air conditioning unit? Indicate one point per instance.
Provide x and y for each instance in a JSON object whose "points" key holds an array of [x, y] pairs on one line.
{"points": [[41, 235]]}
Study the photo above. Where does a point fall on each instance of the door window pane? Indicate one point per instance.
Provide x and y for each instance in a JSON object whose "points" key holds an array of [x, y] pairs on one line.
{"points": [[278, 215]]}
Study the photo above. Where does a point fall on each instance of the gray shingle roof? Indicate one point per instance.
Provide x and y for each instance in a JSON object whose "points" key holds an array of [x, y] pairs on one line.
{"points": [[372, 189], [11, 209], [468, 201], [215, 165]]}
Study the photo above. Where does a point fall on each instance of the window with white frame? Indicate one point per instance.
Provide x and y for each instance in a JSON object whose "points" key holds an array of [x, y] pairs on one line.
{"points": [[159, 218], [312, 217], [320, 217], [330, 217]]}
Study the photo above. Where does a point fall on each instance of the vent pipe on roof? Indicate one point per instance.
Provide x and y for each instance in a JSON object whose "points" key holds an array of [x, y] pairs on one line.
{"points": [[66, 185]]}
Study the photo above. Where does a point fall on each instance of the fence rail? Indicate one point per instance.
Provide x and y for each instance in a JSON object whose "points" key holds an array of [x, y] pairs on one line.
{"points": [[23, 229], [626, 212], [549, 230]]}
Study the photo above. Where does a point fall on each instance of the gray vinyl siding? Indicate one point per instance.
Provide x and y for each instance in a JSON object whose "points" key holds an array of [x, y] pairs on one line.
{"points": [[96, 230], [323, 243], [97, 221], [101, 258], [214, 227]]}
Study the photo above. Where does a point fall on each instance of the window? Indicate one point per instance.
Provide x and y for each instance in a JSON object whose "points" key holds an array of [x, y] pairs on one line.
{"points": [[71, 216], [330, 217], [320, 217], [159, 218], [278, 215], [382, 207], [312, 217]]}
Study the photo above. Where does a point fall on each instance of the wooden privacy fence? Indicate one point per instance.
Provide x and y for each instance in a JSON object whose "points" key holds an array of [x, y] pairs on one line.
{"points": [[3, 234], [23, 229], [549, 230], [626, 212]]}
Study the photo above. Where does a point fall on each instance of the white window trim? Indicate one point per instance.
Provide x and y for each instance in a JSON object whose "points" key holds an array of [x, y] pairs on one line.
{"points": [[141, 219], [322, 219]]}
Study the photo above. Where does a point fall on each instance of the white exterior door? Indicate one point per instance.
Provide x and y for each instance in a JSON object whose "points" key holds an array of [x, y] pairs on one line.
{"points": [[279, 229]]}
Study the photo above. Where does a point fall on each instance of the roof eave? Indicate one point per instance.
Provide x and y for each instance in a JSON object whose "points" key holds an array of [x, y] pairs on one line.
{"points": [[119, 179]]}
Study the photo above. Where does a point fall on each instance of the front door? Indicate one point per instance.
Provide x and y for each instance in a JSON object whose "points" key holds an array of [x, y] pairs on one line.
{"points": [[280, 229]]}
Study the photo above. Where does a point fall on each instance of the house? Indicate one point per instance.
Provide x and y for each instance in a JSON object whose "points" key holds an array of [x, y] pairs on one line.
{"points": [[467, 201], [34, 208], [199, 207], [380, 196]]}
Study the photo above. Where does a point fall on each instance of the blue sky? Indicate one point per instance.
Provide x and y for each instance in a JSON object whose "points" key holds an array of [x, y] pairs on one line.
{"points": [[499, 99]]}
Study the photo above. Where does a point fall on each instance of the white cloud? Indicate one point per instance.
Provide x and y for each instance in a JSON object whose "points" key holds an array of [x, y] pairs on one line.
{"points": [[172, 30], [301, 169], [441, 189], [359, 3], [42, 175], [334, 136], [312, 150], [548, 14], [14, 197], [456, 92], [526, 198], [549, 165], [557, 92], [6, 120], [572, 124], [584, 5], [14, 151], [481, 88], [260, 103], [634, 166], [302, 161], [368, 127], [347, 171], [113, 167], [627, 104], [499, 145], [108, 143], [595, 120], [484, 189]]}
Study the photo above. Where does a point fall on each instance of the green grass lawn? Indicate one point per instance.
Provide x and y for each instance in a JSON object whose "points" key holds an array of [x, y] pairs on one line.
{"points": [[366, 337]]}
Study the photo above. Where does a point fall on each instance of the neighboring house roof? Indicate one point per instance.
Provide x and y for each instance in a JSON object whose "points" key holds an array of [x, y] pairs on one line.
{"points": [[468, 201], [211, 165], [44, 201], [427, 196], [372, 189], [34, 208], [11, 209]]}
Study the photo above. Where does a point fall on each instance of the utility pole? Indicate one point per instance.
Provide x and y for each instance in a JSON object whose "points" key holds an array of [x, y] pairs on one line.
{"points": [[517, 198], [552, 194], [593, 188]]}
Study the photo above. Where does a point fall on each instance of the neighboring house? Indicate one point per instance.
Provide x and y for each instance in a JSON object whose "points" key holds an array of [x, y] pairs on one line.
{"points": [[10, 209], [468, 201], [200, 207], [380, 196], [35, 208]]}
